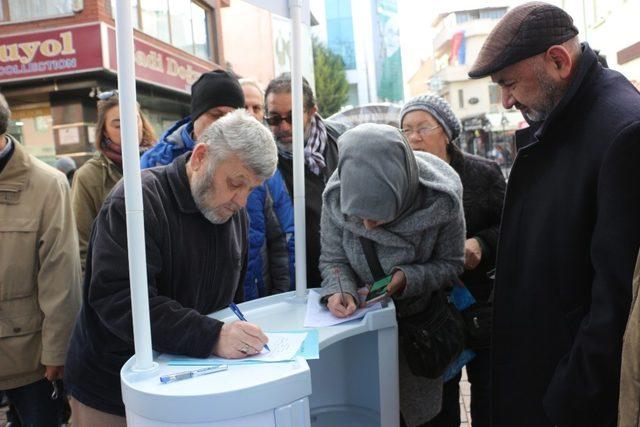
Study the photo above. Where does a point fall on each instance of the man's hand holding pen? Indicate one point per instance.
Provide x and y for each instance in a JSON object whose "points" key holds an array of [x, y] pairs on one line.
{"points": [[239, 339]]}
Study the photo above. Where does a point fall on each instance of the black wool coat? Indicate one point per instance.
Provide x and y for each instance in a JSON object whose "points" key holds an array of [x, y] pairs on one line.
{"points": [[482, 196], [569, 237], [314, 187], [194, 268]]}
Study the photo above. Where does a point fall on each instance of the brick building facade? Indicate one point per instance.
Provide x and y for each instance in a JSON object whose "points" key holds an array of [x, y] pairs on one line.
{"points": [[56, 56]]}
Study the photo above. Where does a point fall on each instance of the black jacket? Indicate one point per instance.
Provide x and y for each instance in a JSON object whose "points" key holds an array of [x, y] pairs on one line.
{"points": [[568, 241], [193, 268], [313, 188], [483, 195]]}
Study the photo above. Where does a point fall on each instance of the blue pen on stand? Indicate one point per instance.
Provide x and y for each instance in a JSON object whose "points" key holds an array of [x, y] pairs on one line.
{"points": [[240, 316], [165, 379]]}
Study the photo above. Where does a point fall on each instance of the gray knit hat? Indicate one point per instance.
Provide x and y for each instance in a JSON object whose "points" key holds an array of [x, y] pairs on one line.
{"points": [[439, 109]]}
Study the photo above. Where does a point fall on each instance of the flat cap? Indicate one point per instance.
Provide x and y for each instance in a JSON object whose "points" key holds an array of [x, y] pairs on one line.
{"points": [[525, 31]]}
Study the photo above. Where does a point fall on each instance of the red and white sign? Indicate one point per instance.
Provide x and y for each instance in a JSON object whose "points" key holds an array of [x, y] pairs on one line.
{"points": [[50, 53], [93, 47], [159, 66]]}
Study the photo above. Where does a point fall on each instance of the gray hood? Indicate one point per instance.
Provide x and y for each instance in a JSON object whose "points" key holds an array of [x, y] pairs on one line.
{"points": [[439, 199]]}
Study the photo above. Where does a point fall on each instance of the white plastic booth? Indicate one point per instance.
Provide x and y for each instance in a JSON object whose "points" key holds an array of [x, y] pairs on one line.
{"points": [[353, 383]]}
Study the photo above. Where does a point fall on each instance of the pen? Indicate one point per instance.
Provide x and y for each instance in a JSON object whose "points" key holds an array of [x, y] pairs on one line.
{"points": [[337, 273], [190, 374], [240, 316]]}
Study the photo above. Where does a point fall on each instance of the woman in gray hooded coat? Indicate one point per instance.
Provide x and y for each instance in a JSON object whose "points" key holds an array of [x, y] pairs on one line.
{"points": [[410, 205]]}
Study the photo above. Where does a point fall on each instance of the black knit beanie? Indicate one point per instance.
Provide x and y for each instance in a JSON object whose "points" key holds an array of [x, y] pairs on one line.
{"points": [[215, 89]]}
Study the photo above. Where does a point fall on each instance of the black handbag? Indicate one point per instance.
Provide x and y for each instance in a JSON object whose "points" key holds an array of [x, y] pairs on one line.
{"points": [[432, 339], [478, 319]]}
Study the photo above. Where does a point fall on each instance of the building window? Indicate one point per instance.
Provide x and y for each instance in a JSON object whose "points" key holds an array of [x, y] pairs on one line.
{"points": [[155, 19], [184, 24], [30, 10], [200, 26], [460, 98], [494, 94], [340, 38], [472, 15], [494, 13]]}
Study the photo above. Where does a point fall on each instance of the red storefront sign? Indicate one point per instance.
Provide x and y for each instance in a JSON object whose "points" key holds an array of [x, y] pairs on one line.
{"points": [[76, 49], [50, 53], [159, 66]]}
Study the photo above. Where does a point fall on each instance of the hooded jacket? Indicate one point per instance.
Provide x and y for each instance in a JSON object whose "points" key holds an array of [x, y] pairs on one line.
{"points": [[426, 243]]}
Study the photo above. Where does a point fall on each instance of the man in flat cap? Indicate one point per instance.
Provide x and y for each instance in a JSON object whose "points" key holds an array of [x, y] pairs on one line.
{"points": [[570, 226]]}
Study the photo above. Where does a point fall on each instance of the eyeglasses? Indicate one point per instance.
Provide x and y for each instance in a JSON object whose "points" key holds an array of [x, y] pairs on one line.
{"points": [[423, 131], [103, 96], [277, 119]]}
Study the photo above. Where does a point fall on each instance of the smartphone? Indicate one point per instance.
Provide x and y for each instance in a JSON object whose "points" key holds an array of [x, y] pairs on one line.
{"points": [[378, 290]]}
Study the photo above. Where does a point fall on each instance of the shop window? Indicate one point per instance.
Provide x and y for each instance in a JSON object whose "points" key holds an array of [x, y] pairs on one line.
{"points": [[184, 24], [33, 128], [29, 10]]}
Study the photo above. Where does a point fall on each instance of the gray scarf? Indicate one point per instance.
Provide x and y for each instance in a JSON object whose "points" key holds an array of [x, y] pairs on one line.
{"points": [[378, 173]]}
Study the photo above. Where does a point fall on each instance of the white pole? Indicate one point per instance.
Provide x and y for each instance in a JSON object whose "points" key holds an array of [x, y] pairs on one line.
{"points": [[298, 149], [133, 189]]}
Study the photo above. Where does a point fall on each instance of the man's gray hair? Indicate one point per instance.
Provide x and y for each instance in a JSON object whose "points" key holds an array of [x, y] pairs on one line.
{"points": [[241, 134], [5, 114]]}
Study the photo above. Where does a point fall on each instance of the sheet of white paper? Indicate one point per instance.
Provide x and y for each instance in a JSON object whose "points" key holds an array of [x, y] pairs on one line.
{"points": [[284, 346], [319, 316]]}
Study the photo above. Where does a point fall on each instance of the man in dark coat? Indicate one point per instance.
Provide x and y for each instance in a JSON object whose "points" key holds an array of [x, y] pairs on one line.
{"points": [[321, 157], [570, 229], [196, 248]]}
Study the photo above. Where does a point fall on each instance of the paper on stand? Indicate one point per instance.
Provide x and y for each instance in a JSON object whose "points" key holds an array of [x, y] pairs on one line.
{"points": [[284, 347], [319, 316]]}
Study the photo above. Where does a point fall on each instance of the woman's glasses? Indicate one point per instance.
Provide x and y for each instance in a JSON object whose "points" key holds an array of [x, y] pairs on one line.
{"points": [[422, 131]]}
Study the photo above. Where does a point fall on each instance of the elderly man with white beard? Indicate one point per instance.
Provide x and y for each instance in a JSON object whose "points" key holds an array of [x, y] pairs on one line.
{"points": [[196, 245]]}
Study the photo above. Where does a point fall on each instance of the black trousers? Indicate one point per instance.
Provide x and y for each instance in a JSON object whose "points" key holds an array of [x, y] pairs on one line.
{"points": [[479, 377], [33, 405]]}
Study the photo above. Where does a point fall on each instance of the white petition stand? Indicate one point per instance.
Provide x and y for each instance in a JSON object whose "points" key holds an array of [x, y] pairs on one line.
{"points": [[355, 381]]}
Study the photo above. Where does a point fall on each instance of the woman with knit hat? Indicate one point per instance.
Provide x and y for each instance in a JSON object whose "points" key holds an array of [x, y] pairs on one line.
{"points": [[409, 206], [430, 125]]}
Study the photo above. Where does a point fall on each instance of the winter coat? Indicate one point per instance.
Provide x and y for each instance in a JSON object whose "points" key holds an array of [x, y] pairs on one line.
{"points": [[91, 184], [194, 267], [629, 406], [427, 245], [482, 197], [39, 269], [271, 244], [568, 241], [271, 248], [313, 188]]}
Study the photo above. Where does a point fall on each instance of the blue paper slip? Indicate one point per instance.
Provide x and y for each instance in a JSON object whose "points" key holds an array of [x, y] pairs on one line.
{"points": [[456, 366], [309, 350], [461, 296], [311, 345]]}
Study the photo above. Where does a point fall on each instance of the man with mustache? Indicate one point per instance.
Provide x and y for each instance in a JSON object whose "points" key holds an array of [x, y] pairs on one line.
{"points": [[196, 247], [570, 230], [320, 155]]}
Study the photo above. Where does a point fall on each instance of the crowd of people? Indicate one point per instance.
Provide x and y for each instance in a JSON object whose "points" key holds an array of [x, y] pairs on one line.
{"points": [[548, 258]]}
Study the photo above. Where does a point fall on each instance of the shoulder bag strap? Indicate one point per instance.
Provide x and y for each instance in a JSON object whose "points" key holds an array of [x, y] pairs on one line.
{"points": [[372, 259]]}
